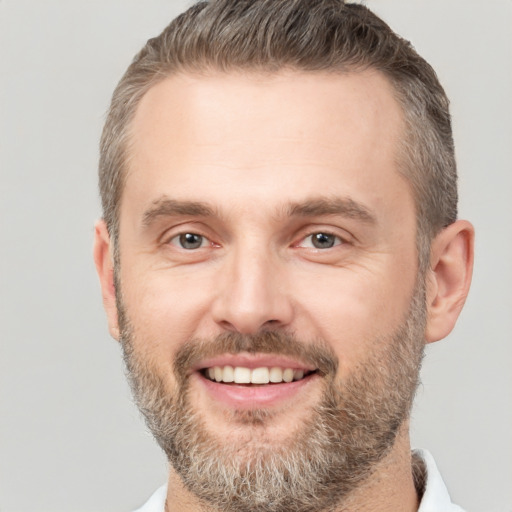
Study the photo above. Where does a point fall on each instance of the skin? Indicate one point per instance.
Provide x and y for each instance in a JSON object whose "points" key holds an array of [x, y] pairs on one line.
{"points": [[251, 146]]}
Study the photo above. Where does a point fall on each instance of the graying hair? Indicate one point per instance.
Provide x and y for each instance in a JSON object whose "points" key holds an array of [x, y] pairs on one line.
{"points": [[305, 35]]}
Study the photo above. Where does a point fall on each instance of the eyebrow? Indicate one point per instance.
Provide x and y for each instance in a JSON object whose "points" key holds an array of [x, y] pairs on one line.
{"points": [[346, 207], [343, 206], [166, 207]]}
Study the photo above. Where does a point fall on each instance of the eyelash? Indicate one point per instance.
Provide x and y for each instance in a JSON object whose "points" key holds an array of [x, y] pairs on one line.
{"points": [[179, 240], [337, 240]]}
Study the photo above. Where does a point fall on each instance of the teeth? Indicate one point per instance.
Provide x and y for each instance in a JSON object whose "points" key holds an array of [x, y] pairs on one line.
{"points": [[228, 374], [260, 376], [242, 375], [288, 375], [276, 375], [298, 374]]}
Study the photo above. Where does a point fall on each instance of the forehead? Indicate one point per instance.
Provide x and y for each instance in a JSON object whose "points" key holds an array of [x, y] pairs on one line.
{"points": [[202, 135]]}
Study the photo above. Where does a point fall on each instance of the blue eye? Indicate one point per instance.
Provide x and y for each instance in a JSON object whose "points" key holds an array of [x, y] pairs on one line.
{"points": [[189, 241], [321, 241]]}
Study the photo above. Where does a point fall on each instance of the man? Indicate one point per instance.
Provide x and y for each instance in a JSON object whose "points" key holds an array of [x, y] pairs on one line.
{"points": [[279, 241]]}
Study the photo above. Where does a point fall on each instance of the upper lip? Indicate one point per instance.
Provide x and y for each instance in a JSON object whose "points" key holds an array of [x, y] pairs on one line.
{"points": [[252, 361]]}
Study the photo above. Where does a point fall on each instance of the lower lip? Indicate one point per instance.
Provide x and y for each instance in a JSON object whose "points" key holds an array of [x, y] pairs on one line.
{"points": [[251, 397]]}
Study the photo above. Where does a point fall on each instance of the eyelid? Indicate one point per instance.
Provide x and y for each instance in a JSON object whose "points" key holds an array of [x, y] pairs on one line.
{"points": [[343, 236], [339, 240], [205, 242], [193, 228]]}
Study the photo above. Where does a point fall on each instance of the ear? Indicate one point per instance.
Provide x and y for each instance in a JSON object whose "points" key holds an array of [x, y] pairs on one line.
{"points": [[103, 258], [451, 268]]}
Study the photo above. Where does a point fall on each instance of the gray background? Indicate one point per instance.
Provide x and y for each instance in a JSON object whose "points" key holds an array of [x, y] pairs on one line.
{"points": [[70, 439]]}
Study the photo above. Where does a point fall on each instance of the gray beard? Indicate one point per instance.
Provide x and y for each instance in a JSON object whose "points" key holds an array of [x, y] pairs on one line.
{"points": [[331, 454]]}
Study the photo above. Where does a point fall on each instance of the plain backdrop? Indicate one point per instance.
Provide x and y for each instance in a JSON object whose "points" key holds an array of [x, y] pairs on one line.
{"points": [[70, 438]]}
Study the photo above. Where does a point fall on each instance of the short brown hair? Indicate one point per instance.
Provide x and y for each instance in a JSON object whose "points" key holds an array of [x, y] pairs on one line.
{"points": [[308, 35]]}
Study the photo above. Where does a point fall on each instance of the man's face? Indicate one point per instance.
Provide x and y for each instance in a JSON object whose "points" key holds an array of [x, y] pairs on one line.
{"points": [[264, 227]]}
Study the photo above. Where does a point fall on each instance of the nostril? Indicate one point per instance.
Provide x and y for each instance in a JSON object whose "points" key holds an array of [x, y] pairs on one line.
{"points": [[251, 309], [228, 326]]}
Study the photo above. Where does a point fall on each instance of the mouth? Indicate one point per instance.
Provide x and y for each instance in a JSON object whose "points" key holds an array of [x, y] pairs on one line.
{"points": [[260, 376], [248, 381]]}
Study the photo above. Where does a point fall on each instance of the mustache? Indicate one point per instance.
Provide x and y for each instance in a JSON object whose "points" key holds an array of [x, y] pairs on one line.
{"points": [[316, 353]]}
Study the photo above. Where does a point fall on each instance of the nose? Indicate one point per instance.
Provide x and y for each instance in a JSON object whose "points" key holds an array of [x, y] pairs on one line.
{"points": [[252, 294]]}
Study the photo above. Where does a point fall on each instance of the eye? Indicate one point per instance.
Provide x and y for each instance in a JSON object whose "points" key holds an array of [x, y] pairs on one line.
{"points": [[321, 241], [189, 241]]}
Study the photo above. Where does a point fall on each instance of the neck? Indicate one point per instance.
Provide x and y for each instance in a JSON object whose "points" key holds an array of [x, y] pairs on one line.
{"points": [[390, 488]]}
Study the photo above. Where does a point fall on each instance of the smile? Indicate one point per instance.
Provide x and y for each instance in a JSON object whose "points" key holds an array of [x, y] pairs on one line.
{"points": [[263, 375], [247, 381]]}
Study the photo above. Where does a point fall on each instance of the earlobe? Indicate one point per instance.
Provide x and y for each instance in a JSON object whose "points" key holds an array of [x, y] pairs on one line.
{"points": [[103, 259], [449, 278]]}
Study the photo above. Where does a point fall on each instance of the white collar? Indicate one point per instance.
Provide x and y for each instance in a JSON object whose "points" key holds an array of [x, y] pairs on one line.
{"points": [[435, 495]]}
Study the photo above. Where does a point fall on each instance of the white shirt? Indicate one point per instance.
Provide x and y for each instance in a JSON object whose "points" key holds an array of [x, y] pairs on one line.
{"points": [[435, 495]]}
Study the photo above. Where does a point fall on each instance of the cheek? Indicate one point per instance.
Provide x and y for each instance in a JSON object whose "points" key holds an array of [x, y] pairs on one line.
{"points": [[165, 307], [350, 310]]}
